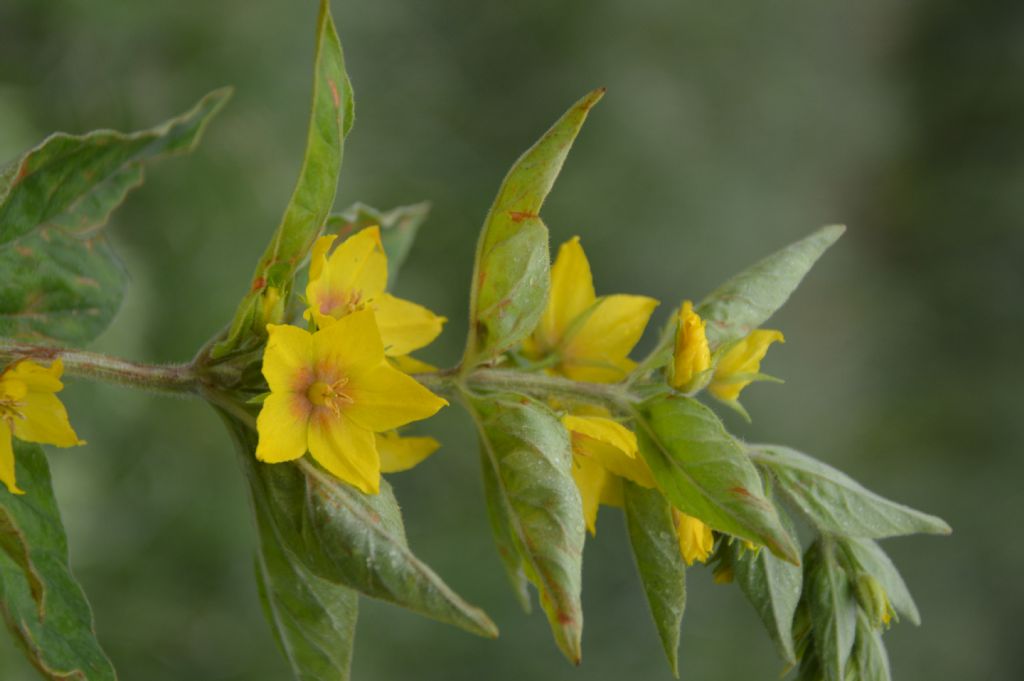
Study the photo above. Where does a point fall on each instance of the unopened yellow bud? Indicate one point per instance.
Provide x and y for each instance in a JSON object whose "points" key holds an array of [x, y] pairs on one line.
{"points": [[692, 354]]}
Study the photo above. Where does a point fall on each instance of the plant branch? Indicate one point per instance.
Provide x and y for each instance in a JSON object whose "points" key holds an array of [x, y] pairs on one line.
{"points": [[178, 379], [533, 384]]}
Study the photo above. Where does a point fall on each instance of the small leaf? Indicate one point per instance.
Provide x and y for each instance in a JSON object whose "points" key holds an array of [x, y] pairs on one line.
{"points": [[655, 545], [42, 604], [869, 655], [832, 608], [838, 504], [349, 538], [511, 275], [331, 117], [773, 587], [398, 228], [704, 472], [870, 557], [746, 301], [314, 621], [530, 459]]}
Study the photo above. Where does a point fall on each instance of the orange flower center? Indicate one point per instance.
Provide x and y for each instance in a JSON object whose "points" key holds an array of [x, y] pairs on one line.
{"points": [[329, 395], [342, 303]]}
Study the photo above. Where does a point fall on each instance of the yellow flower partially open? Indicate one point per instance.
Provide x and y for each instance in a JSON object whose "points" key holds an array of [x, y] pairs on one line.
{"points": [[590, 337], [330, 392], [695, 538], [354, 277], [740, 365], [31, 411], [692, 354]]}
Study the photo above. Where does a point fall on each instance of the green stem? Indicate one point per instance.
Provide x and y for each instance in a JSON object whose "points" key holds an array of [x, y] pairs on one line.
{"points": [[179, 379], [533, 384]]}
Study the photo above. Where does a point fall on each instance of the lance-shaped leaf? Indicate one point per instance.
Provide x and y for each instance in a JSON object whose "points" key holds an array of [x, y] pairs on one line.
{"points": [[773, 587], [836, 503], [42, 604], [870, 658], [313, 620], [703, 471], [511, 274], [870, 558], [746, 301], [62, 279], [331, 118], [652, 535], [398, 228], [349, 538], [832, 608], [530, 459], [504, 536]]}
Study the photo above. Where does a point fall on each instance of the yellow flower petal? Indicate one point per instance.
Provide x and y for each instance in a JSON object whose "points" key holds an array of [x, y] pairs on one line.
{"points": [[410, 365], [572, 293], [282, 426], [346, 450], [355, 274], [7, 459], [611, 493], [318, 255], [598, 350], [590, 477], [44, 420], [288, 358], [692, 354], [695, 538], [402, 453], [743, 358], [37, 378], [603, 430], [404, 325], [383, 398], [350, 345]]}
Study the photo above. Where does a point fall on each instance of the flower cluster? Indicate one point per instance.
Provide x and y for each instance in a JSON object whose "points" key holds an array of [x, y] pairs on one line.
{"points": [[588, 338], [338, 392]]}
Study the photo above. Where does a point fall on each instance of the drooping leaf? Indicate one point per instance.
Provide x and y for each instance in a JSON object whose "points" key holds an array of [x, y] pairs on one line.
{"points": [[838, 504], [870, 557], [504, 534], [349, 538], [62, 280], [313, 620], [870, 658], [704, 472], [746, 301], [773, 587], [662, 571], [832, 608], [511, 274], [42, 604], [398, 228], [331, 117], [528, 452]]}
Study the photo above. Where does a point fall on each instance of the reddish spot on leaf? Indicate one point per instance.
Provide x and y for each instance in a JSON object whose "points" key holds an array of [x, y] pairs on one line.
{"points": [[740, 491], [565, 618], [22, 172], [24, 251], [519, 216], [86, 281], [259, 283], [334, 93]]}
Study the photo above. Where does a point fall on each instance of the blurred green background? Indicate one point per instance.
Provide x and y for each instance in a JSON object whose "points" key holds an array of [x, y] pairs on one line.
{"points": [[729, 129]]}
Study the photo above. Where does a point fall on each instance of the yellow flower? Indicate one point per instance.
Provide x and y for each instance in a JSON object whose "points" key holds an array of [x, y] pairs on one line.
{"points": [[604, 452], [330, 392], [692, 355], [590, 337], [354, 277], [695, 538], [399, 454], [31, 411], [741, 364]]}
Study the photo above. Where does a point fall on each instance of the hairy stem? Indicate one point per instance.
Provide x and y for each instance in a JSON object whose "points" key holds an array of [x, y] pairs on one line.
{"points": [[163, 378], [532, 384]]}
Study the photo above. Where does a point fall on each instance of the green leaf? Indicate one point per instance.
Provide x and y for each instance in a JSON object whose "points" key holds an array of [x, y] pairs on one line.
{"points": [[746, 301], [398, 228], [773, 587], [58, 176], [869, 655], [652, 535], [530, 460], [504, 536], [331, 118], [832, 608], [314, 621], [42, 604], [703, 471], [836, 503], [870, 557], [62, 279], [511, 274], [349, 538]]}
